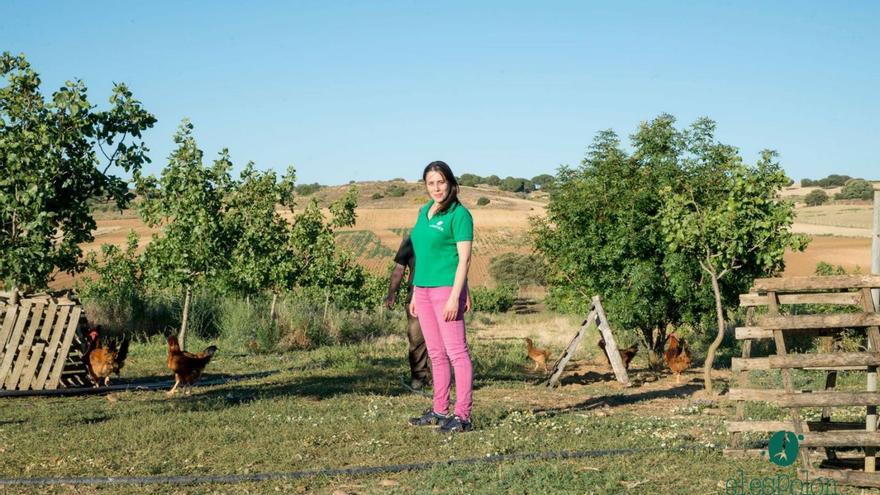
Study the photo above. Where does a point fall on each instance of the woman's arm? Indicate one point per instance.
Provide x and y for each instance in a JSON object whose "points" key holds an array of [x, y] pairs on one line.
{"points": [[450, 311]]}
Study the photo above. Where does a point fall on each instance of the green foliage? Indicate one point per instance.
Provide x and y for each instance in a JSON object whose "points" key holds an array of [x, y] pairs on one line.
{"points": [[395, 191], [186, 203], [518, 269], [808, 183], [469, 180], [827, 269], [543, 181], [482, 201], [816, 197], [856, 189], [308, 189], [377, 195], [497, 300], [516, 184], [51, 170], [492, 180]]}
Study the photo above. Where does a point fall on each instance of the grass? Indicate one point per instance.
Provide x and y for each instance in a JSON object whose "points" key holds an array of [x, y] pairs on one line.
{"points": [[343, 406]]}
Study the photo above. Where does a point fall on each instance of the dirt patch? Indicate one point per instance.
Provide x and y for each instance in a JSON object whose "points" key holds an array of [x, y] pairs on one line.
{"points": [[848, 252]]}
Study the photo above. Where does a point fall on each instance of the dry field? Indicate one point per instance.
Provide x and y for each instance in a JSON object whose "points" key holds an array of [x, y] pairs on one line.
{"points": [[841, 233]]}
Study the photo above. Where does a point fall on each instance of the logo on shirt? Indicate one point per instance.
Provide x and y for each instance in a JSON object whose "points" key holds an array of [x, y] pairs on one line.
{"points": [[438, 225]]}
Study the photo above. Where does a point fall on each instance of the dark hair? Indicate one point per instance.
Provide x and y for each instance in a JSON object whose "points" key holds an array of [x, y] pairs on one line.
{"points": [[446, 172]]}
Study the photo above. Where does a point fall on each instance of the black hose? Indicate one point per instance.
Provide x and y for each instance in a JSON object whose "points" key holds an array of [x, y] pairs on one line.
{"points": [[354, 471]]}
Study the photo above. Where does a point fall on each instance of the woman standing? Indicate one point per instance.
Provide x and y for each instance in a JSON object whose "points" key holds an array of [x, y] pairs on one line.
{"points": [[442, 239]]}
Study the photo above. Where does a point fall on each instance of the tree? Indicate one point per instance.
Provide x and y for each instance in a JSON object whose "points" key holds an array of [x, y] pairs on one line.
{"points": [[731, 221], [49, 154], [186, 202], [543, 181], [469, 180], [856, 189], [492, 180], [260, 258], [816, 197], [601, 235], [516, 184]]}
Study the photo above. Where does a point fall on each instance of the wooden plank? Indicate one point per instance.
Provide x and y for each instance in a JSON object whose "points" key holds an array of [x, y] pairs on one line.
{"points": [[800, 322], [830, 360], [29, 375], [833, 298], [6, 329], [610, 344], [24, 350], [841, 439], [758, 333], [812, 284], [61, 359], [845, 477], [748, 364], [756, 394], [744, 333], [569, 351], [742, 380], [829, 399], [12, 343], [772, 426], [52, 350]]}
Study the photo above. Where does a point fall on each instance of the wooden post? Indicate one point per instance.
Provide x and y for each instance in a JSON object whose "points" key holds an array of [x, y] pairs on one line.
{"points": [[871, 410], [742, 380], [610, 344], [566, 355], [875, 243]]}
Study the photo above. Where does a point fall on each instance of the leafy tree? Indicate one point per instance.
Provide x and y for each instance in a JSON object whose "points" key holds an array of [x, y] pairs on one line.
{"points": [[51, 169], [469, 180], [186, 202], [516, 184], [856, 189], [492, 180], [259, 259], [816, 197], [730, 220], [308, 189], [808, 183], [518, 269], [482, 201], [833, 180], [543, 181]]}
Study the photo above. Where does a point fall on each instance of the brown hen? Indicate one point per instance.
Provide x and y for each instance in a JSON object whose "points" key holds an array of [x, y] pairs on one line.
{"points": [[539, 356], [626, 355], [677, 355], [187, 367], [102, 361]]}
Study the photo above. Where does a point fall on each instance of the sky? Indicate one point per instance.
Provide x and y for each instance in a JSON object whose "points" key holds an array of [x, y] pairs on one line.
{"points": [[374, 90]]}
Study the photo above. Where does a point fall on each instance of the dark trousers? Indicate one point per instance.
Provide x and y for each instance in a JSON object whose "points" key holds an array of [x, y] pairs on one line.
{"points": [[419, 363]]}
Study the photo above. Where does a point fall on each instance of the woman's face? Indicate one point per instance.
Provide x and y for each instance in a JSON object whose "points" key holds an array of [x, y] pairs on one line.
{"points": [[437, 186]]}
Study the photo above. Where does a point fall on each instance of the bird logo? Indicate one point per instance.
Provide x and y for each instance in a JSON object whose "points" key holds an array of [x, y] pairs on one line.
{"points": [[783, 447]]}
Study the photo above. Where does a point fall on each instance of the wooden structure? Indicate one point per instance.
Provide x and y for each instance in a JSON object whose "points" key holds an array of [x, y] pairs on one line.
{"points": [[822, 438], [597, 317], [41, 344]]}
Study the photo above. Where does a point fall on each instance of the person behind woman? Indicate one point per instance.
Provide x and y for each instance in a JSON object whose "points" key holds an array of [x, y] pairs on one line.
{"points": [[442, 238]]}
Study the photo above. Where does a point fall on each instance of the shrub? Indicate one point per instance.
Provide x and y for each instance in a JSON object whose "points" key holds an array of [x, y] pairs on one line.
{"points": [[816, 197], [308, 189], [483, 201], [377, 195], [807, 183], [497, 300], [518, 269], [833, 180], [856, 189], [395, 191], [492, 180], [469, 180]]}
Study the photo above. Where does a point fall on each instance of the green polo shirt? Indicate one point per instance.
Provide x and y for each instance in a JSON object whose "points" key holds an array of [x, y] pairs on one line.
{"points": [[434, 241]]}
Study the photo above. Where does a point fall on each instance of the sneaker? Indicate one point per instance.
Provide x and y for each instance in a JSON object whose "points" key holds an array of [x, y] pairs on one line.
{"points": [[428, 418], [455, 425]]}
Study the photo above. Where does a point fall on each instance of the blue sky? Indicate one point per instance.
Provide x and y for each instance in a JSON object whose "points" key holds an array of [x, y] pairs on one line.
{"points": [[376, 90]]}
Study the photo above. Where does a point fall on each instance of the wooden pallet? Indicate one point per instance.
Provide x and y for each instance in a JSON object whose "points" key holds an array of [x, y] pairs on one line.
{"points": [[41, 345], [823, 436]]}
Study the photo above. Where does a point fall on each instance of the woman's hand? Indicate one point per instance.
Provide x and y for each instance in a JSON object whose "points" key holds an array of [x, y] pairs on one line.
{"points": [[450, 310], [468, 304], [412, 308]]}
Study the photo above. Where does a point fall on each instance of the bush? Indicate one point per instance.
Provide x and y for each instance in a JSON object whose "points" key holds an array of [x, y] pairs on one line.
{"points": [[395, 191], [377, 195], [856, 189], [483, 201], [808, 183], [492, 180], [816, 197], [497, 300], [833, 180], [469, 180], [518, 269], [308, 189]]}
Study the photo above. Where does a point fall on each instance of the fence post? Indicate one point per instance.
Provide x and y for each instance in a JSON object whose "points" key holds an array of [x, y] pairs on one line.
{"points": [[875, 243]]}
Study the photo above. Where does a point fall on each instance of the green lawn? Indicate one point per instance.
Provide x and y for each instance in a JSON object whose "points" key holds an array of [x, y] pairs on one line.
{"points": [[342, 407]]}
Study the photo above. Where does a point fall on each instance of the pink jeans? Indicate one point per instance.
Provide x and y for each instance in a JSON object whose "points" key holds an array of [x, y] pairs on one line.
{"points": [[446, 342]]}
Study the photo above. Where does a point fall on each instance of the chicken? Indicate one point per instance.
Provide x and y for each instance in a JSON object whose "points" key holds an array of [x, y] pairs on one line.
{"points": [[539, 356], [626, 355], [677, 355], [102, 361], [187, 367]]}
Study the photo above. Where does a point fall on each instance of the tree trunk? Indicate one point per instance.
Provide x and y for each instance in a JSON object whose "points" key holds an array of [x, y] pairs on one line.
{"points": [[272, 308], [326, 303], [710, 355], [186, 300]]}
